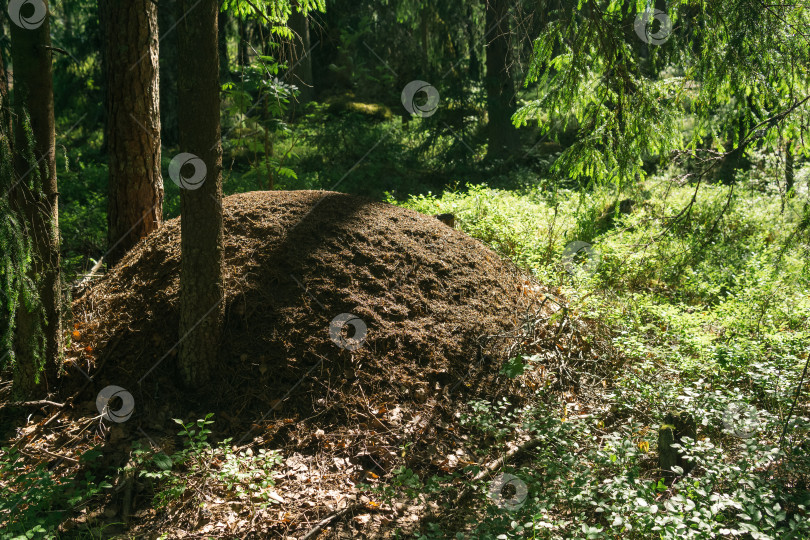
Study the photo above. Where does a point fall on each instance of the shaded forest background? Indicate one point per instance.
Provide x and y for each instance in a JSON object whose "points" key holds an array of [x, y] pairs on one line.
{"points": [[646, 162]]}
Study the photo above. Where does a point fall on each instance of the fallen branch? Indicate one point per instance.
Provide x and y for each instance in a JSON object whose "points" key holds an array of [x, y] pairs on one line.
{"points": [[51, 454], [495, 465], [500, 462], [329, 519], [38, 403], [88, 277]]}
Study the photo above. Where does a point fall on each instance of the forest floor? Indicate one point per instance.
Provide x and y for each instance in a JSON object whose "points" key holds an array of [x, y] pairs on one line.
{"points": [[471, 401], [311, 421]]}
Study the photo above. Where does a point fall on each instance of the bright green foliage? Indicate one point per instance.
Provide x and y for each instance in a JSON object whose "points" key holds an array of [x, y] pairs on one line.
{"points": [[710, 312], [254, 137], [733, 69], [33, 502], [244, 475], [274, 12], [581, 488]]}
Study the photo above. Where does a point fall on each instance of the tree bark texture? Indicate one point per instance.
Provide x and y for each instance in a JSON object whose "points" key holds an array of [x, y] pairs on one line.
{"points": [[135, 197], [201, 242], [38, 339]]}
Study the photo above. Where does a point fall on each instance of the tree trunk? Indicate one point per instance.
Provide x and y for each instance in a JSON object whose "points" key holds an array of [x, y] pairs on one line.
{"points": [[242, 49], [5, 105], [201, 238], [135, 201], [168, 71], [677, 424], [424, 28], [500, 89], [38, 339], [67, 18], [474, 72], [301, 61], [222, 42], [790, 173]]}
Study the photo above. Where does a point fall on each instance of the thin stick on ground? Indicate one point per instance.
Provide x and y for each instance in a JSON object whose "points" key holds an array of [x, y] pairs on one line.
{"points": [[329, 519], [38, 403], [495, 465]]}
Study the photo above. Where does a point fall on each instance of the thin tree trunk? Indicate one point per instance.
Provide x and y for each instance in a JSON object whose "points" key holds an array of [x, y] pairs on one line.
{"points": [[5, 105], [424, 24], [201, 238], [167, 11], [38, 339], [268, 148], [67, 18], [498, 81], [474, 72], [135, 201], [301, 61], [242, 48], [222, 42], [790, 173]]}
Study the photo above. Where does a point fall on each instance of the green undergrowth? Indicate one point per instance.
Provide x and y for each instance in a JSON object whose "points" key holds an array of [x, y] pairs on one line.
{"points": [[707, 302], [710, 309], [35, 502]]}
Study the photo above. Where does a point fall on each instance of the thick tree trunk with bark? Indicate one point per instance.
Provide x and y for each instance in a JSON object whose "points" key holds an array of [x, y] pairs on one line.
{"points": [[201, 242], [38, 337], [498, 81], [135, 201]]}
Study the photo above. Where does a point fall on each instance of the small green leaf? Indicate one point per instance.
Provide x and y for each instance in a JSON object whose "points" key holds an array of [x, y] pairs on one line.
{"points": [[162, 461]]}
